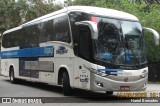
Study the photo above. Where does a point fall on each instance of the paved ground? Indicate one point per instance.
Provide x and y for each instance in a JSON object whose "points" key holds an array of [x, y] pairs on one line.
{"points": [[30, 89]]}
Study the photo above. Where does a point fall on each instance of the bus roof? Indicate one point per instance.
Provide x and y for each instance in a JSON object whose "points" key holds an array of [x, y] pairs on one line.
{"points": [[105, 12], [13, 29], [87, 9]]}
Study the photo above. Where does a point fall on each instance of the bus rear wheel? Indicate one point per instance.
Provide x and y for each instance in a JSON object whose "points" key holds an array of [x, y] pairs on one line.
{"points": [[66, 84], [12, 78]]}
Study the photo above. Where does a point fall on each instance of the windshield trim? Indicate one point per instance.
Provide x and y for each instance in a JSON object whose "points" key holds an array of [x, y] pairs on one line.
{"points": [[120, 40], [109, 17], [123, 66]]}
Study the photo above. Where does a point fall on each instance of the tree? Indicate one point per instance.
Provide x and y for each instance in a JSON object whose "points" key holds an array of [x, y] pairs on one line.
{"points": [[16, 12], [38, 8], [84, 2], [9, 10]]}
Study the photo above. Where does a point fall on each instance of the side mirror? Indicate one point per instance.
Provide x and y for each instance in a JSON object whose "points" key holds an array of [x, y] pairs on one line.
{"points": [[155, 33], [92, 26]]}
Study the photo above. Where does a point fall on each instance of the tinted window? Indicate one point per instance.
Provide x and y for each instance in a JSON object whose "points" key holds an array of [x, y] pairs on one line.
{"points": [[61, 30], [76, 17], [32, 36], [108, 30], [5, 41], [10, 39], [16, 40], [46, 31], [23, 38], [84, 42]]}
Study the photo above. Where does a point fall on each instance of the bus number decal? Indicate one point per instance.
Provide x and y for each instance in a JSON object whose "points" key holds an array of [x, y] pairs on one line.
{"points": [[48, 50], [61, 50], [84, 80]]}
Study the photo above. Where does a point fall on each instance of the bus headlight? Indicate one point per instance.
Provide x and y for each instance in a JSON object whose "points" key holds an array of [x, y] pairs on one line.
{"points": [[144, 74], [98, 72], [101, 73]]}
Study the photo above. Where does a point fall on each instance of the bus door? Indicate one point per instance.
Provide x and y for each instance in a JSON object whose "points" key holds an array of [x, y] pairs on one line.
{"points": [[84, 56]]}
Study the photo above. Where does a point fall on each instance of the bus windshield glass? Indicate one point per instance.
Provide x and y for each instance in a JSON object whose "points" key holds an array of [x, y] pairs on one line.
{"points": [[119, 42]]}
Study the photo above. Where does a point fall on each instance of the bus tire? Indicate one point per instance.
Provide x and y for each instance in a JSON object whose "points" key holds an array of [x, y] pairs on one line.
{"points": [[12, 77], [109, 92], [66, 84]]}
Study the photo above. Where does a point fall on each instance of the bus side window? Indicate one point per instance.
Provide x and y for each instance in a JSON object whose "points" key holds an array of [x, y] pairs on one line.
{"points": [[16, 38], [46, 31], [11, 39], [61, 30], [22, 38], [84, 42], [76, 16], [5, 41], [32, 36]]}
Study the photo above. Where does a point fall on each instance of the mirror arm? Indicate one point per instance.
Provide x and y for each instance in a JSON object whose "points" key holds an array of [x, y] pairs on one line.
{"points": [[156, 35], [92, 26]]}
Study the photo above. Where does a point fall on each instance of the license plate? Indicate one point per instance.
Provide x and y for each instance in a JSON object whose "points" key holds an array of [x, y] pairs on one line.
{"points": [[124, 88]]}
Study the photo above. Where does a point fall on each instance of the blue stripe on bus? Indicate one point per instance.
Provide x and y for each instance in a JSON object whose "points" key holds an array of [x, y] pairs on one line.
{"points": [[110, 70], [29, 52]]}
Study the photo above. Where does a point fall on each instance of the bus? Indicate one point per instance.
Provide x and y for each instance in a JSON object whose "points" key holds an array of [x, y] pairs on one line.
{"points": [[84, 47]]}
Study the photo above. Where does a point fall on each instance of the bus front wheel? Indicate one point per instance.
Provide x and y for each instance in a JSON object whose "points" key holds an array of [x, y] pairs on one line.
{"points": [[66, 84]]}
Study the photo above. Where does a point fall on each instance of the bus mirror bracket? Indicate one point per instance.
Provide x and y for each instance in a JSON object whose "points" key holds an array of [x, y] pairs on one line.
{"points": [[92, 26], [155, 33]]}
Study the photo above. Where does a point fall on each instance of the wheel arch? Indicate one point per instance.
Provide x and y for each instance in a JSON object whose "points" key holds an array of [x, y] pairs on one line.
{"points": [[61, 70], [11, 67]]}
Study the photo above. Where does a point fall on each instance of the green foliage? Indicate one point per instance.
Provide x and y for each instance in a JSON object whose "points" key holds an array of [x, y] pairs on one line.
{"points": [[84, 2], [38, 8], [16, 12], [152, 19], [10, 13]]}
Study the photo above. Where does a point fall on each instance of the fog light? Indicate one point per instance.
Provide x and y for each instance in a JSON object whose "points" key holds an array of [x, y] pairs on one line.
{"points": [[100, 84]]}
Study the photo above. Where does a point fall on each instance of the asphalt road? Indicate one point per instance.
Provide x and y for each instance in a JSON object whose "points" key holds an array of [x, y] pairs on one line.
{"points": [[55, 94]]}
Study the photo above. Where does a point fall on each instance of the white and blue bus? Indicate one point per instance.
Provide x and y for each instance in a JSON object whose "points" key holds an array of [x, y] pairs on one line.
{"points": [[83, 47]]}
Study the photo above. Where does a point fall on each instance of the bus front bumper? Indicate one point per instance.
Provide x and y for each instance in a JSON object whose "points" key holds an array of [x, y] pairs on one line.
{"points": [[99, 83]]}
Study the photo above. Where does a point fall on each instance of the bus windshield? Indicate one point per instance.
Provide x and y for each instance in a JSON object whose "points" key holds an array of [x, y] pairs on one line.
{"points": [[119, 42]]}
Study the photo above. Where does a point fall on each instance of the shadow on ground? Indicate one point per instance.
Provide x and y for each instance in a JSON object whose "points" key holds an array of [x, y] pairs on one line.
{"points": [[77, 96]]}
